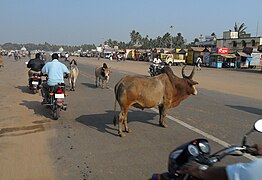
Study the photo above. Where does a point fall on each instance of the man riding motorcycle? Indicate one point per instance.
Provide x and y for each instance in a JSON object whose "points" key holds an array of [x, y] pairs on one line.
{"points": [[239, 171], [35, 66], [55, 71]]}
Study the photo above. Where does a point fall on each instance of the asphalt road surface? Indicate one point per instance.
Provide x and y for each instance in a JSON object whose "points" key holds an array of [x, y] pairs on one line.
{"points": [[84, 144]]}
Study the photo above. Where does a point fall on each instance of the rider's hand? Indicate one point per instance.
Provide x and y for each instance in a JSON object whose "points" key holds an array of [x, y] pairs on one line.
{"points": [[257, 151], [192, 168], [66, 75]]}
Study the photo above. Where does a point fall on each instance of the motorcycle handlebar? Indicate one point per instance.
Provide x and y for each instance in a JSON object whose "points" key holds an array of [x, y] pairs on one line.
{"points": [[228, 151]]}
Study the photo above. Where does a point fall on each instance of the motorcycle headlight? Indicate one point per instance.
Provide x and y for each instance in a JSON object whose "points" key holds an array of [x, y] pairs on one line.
{"points": [[193, 150], [204, 147]]}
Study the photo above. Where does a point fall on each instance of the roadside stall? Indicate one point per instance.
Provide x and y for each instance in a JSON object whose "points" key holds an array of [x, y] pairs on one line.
{"points": [[215, 60], [243, 60], [222, 60]]}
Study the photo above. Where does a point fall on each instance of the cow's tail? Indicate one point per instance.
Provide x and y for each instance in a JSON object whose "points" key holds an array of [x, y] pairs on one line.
{"points": [[116, 89], [115, 116], [116, 99]]}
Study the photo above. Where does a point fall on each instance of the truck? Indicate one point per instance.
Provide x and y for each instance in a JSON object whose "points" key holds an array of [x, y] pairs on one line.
{"points": [[172, 59]]}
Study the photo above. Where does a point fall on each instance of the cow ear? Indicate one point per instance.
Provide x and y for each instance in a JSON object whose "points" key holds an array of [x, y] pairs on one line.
{"points": [[192, 82]]}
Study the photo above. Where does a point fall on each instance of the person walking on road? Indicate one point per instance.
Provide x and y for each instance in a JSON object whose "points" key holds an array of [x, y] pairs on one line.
{"points": [[198, 63]]}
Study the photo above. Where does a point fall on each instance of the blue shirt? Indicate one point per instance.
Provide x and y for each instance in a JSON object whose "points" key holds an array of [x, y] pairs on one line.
{"points": [[245, 171], [55, 71]]}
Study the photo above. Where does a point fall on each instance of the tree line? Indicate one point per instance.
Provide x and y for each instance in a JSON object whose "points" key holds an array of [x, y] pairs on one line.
{"points": [[139, 42], [136, 41]]}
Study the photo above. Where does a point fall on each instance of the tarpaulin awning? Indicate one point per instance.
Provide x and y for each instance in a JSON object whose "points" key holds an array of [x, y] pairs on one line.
{"points": [[243, 54], [229, 56]]}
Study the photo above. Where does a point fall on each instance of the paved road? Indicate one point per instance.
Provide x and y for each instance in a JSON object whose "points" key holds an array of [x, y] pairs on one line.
{"points": [[84, 144]]}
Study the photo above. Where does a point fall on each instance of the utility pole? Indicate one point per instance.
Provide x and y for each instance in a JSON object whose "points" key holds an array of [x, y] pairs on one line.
{"points": [[257, 30], [171, 27]]}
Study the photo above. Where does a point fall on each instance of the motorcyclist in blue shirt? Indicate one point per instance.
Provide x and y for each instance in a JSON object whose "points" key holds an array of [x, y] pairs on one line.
{"points": [[56, 71]]}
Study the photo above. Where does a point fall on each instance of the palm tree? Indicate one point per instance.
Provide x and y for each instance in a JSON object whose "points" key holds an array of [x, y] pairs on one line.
{"points": [[135, 38], [179, 41], [166, 40], [240, 29]]}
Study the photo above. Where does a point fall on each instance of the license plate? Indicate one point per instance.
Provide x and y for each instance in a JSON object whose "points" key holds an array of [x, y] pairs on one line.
{"points": [[59, 96], [35, 82]]}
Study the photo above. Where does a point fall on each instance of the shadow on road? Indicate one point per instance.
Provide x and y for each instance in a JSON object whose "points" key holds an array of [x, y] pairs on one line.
{"points": [[37, 107], [102, 122], [24, 89], [254, 71], [247, 109], [90, 85]]}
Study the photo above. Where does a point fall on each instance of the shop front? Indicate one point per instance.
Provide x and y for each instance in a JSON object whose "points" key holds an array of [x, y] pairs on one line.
{"points": [[243, 60], [222, 60]]}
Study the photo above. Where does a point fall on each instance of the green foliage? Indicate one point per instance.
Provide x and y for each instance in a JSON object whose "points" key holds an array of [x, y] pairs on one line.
{"points": [[241, 29], [136, 40]]}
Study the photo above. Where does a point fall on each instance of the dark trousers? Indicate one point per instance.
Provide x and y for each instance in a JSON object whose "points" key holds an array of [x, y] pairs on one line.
{"points": [[45, 91]]}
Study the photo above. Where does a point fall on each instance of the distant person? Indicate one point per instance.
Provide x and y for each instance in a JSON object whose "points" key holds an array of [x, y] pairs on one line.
{"points": [[156, 62], [198, 63], [1, 61], [67, 57]]}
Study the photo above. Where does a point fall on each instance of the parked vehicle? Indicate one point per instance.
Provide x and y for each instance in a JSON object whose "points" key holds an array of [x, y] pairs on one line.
{"points": [[199, 150], [172, 59], [35, 83]]}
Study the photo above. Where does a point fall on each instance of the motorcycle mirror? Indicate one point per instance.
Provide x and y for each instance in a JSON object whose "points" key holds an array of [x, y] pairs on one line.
{"points": [[258, 125]]}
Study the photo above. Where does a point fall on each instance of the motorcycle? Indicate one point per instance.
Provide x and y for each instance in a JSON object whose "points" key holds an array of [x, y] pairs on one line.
{"points": [[55, 100], [155, 69], [199, 150], [35, 82]]}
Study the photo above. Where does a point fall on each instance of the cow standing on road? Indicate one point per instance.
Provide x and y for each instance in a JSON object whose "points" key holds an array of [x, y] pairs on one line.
{"points": [[165, 91], [73, 74], [102, 74]]}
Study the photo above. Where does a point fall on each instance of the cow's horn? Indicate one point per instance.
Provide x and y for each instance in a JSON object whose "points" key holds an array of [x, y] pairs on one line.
{"points": [[192, 73], [183, 72]]}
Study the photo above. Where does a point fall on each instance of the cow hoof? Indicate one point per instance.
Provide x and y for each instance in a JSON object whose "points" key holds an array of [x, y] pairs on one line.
{"points": [[128, 130], [121, 134], [163, 125]]}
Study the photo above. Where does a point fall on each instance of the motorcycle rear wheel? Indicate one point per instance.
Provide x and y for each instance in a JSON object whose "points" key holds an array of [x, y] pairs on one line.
{"points": [[55, 112]]}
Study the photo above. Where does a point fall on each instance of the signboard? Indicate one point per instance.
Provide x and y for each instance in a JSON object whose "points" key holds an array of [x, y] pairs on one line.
{"points": [[256, 58], [222, 50]]}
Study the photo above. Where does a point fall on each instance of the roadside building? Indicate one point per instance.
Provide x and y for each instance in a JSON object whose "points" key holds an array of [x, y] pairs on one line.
{"points": [[243, 47], [221, 58], [233, 42], [194, 52]]}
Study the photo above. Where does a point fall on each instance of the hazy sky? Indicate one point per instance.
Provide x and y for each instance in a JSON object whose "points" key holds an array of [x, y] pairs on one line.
{"points": [[76, 22]]}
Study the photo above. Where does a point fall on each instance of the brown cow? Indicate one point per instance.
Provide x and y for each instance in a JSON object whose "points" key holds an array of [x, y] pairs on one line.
{"points": [[165, 91], [102, 73]]}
